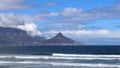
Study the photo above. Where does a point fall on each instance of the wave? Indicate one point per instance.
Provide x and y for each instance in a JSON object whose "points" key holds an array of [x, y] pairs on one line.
{"points": [[86, 65], [64, 57], [59, 64], [86, 55], [62, 60]]}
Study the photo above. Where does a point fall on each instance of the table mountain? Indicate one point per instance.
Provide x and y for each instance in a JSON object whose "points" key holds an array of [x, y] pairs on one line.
{"points": [[16, 37]]}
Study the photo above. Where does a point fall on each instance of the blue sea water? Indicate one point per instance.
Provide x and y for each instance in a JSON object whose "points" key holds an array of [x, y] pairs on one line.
{"points": [[60, 57]]}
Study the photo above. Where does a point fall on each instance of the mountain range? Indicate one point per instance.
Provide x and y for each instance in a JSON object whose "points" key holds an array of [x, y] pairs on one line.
{"points": [[17, 37]]}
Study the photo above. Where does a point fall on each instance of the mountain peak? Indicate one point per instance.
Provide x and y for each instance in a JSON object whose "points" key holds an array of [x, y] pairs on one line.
{"points": [[60, 39], [59, 35]]}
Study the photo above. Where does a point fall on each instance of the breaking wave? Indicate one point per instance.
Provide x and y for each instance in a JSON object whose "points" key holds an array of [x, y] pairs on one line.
{"points": [[64, 60], [63, 56], [59, 64], [67, 57]]}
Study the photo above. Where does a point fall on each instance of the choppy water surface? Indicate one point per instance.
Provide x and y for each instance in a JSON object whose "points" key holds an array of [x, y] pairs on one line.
{"points": [[60, 61]]}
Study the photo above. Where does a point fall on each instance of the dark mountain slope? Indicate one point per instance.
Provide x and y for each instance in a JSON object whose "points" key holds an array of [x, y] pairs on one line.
{"points": [[60, 39], [12, 36]]}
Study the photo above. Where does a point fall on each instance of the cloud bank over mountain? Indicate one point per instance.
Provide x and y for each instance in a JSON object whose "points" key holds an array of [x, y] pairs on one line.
{"points": [[19, 21]]}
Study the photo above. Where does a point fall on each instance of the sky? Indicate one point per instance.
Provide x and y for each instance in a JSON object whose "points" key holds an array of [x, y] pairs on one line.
{"points": [[94, 22]]}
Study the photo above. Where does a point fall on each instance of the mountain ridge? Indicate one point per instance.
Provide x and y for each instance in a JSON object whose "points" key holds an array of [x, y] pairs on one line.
{"points": [[17, 37]]}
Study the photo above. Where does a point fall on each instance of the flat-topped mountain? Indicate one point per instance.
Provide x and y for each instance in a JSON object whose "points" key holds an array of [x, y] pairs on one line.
{"points": [[15, 37], [61, 39]]}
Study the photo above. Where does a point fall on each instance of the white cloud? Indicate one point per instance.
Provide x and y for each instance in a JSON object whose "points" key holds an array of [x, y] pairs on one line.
{"points": [[78, 15], [6, 5], [82, 32], [70, 11], [30, 28], [21, 22], [24, 22], [11, 20], [76, 18], [51, 3], [70, 18], [103, 33], [14, 4], [54, 14]]}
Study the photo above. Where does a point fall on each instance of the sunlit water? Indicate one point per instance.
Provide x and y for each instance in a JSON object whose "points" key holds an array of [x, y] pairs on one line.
{"points": [[60, 61]]}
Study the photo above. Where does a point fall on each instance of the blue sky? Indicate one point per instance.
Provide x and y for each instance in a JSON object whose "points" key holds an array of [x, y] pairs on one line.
{"points": [[83, 19]]}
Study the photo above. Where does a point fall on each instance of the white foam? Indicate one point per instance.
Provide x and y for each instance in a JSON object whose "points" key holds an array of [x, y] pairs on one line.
{"points": [[81, 55], [85, 65], [7, 57], [64, 57], [60, 64]]}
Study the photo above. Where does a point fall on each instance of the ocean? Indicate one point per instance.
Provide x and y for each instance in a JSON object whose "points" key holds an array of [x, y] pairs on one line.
{"points": [[60, 57]]}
